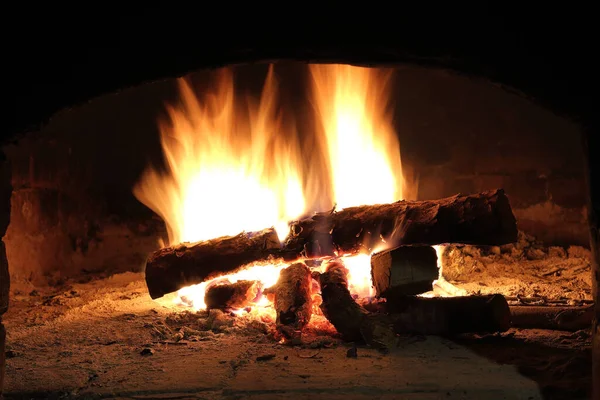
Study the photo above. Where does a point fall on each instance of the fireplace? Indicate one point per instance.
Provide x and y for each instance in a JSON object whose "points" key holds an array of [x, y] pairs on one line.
{"points": [[83, 235], [81, 320]]}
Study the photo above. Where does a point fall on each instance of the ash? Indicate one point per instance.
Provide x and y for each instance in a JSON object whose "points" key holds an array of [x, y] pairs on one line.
{"points": [[527, 268], [107, 339]]}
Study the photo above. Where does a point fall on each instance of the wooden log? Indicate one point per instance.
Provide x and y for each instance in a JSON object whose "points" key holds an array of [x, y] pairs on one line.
{"points": [[406, 270], [172, 268], [552, 317], [352, 321], [231, 295], [484, 218], [448, 315], [293, 300], [479, 219], [338, 306]]}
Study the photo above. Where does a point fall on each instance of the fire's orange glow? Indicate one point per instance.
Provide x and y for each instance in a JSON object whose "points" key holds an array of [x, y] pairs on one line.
{"points": [[362, 146], [232, 167], [267, 275], [359, 275]]}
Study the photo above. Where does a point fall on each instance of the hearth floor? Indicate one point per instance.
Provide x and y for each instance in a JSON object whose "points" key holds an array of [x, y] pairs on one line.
{"points": [[86, 342]]}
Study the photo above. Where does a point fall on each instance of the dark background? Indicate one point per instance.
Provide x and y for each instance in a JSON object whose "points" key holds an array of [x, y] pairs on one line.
{"points": [[55, 56]]}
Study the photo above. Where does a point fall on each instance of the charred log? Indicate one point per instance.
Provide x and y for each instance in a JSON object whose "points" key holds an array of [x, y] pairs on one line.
{"points": [[231, 295], [172, 268], [293, 301], [447, 315], [484, 218], [352, 321], [479, 219], [555, 318], [338, 306], [407, 270]]}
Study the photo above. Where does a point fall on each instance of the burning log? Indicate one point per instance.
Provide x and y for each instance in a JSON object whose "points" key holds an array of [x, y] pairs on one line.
{"points": [[447, 315], [352, 321], [407, 270], [479, 219], [552, 317], [172, 268], [338, 306], [483, 219], [293, 301], [231, 295]]}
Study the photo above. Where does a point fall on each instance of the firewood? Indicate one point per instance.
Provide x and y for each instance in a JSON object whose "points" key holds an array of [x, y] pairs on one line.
{"points": [[407, 270], [352, 321], [231, 295], [479, 219], [447, 315], [552, 317], [293, 301], [482, 219], [171, 268]]}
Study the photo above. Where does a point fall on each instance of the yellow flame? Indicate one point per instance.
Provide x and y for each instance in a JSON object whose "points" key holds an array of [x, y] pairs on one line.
{"points": [[232, 167], [352, 104], [359, 275], [362, 146]]}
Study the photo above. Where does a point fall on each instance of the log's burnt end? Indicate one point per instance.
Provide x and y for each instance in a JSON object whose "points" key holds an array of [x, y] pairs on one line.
{"points": [[171, 268], [480, 219], [338, 306], [293, 301], [231, 295], [407, 270], [352, 321]]}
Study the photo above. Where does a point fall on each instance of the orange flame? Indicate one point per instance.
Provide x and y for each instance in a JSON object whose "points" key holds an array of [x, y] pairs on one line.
{"points": [[362, 146], [232, 167]]}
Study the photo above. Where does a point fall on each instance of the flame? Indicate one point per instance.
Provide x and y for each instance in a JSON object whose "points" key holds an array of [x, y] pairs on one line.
{"points": [[232, 167], [352, 104], [362, 146]]}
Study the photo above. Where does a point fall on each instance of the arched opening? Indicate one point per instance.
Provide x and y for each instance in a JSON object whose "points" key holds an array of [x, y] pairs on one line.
{"points": [[76, 76], [78, 239]]}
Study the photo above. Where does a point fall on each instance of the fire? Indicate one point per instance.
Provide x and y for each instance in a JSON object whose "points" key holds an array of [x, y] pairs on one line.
{"points": [[362, 146], [232, 167]]}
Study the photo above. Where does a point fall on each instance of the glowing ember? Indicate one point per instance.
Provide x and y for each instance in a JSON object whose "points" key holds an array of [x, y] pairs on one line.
{"points": [[359, 275], [231, 167], [193, 296]]}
